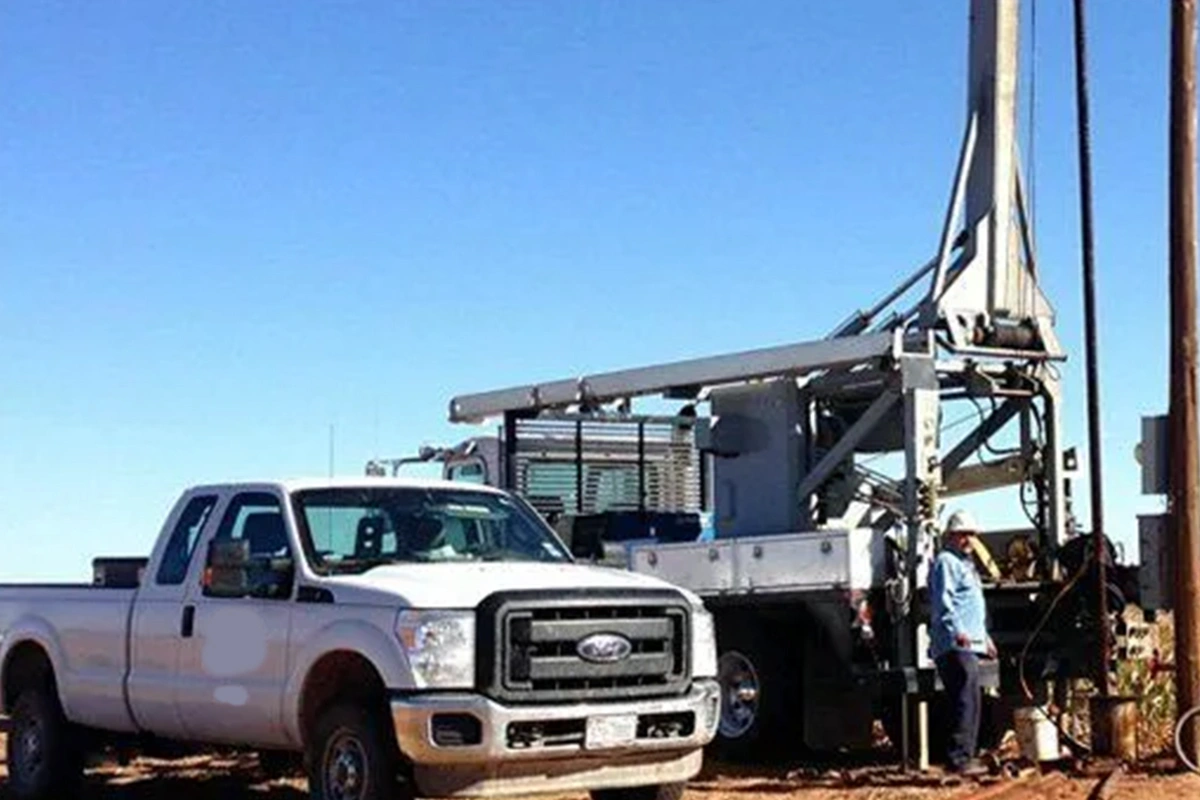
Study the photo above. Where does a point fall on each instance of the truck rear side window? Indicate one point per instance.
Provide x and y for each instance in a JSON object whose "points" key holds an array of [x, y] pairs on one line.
{"points": [[173, 569]]}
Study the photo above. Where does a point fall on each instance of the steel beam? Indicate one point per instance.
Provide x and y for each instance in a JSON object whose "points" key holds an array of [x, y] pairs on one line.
{"points": [[993, 58], [965, 160], [861, 320], [835, 384], [794, 359], [1054, 471], [845, 445], [922, 475], [1009, 471]]}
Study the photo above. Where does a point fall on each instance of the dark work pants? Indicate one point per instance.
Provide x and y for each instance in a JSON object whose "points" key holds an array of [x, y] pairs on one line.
{"points": [[960, 675]]}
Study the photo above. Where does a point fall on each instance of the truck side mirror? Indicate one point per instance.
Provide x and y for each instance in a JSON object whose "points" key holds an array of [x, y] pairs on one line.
{"points": [[225, 574], [232, 571], [587, 538]]}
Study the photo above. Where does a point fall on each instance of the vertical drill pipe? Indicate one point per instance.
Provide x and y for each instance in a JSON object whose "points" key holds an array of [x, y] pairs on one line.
{"points": [[579, 466], [1089, 318], [642, 467], [510, 451], [1184, 472]]}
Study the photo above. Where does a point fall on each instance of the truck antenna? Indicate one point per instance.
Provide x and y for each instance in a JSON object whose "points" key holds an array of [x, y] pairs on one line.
{"points": [[331, 437]]}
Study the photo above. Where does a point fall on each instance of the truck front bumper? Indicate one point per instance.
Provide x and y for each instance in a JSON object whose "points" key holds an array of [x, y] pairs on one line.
{"points": [[467, 744]]}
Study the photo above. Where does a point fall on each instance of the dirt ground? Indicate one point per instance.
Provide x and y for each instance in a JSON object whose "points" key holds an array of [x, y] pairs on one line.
{"points": [[236, 778]]}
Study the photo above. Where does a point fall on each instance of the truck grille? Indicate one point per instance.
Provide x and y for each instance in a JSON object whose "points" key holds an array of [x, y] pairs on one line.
{"points": [[529, 645]]}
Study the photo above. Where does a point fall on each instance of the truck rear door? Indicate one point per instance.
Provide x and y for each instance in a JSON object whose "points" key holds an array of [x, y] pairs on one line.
{"points": [[234, 655]]}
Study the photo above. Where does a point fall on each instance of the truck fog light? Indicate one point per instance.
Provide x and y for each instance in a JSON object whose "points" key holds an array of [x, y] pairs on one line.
{"points": [[456, 730]]}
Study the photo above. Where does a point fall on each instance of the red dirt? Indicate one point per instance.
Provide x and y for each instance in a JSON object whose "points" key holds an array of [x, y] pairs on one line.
{"points": [[235, 778]]}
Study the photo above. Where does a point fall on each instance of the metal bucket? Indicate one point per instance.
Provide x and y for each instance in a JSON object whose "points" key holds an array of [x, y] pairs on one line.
{"points": [[1114, 727]]}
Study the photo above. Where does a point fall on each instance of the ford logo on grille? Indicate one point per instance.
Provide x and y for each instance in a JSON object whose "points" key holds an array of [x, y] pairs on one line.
{"points": [[604, 648]]}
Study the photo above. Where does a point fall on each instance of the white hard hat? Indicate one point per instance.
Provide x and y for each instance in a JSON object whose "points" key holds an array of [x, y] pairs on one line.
{"points": [[961, 522]]}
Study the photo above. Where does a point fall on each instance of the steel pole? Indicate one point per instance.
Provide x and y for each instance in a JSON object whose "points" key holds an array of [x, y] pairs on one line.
{"points": [[1184, 468], [1092, 349]]}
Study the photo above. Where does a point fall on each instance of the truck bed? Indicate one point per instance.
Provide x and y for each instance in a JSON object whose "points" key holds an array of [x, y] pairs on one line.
{"points": [[86, 627]]}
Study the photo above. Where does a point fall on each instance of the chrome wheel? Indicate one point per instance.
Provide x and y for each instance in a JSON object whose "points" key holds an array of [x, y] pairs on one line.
{"points": [[740, 688], [344, 768]]}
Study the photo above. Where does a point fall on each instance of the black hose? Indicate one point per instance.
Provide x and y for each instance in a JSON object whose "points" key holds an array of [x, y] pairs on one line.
{"points": [[1067, 587]]}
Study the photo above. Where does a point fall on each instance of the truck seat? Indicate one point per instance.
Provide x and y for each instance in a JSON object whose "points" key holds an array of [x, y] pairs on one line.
{"points": [[427, 533], [368, 542], [265, 533]]}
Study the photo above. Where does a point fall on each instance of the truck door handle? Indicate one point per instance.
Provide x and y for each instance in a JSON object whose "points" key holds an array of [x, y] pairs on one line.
{"points": [[188, 625]]}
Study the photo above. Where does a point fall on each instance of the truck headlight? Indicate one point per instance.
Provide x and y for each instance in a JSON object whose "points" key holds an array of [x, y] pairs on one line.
{"points": [[440, 646], [704, 645]]}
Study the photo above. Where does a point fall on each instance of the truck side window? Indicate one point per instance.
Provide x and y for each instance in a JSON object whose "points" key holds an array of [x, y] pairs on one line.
{"points": [[256, 517], [469, 472], [178, 554]]}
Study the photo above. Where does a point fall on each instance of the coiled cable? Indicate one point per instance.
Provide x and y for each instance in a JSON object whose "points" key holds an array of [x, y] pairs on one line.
{"points": [[1183, 759]]}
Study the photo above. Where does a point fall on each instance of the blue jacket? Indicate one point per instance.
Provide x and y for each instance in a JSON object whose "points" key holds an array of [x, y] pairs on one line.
{"points": [[956, 604]]}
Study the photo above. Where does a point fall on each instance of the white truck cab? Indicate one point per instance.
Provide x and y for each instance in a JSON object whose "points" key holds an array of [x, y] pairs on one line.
{"points": [[407, 637]]}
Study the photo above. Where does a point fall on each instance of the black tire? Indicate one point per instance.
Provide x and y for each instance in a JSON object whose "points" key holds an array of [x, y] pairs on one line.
{"points": [[770, 659], [663, 791], [44, 756], [352, 756], [276, 764]]}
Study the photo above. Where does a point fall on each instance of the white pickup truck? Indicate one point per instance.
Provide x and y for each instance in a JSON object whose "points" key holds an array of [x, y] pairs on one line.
{"points": [[406, 637]]}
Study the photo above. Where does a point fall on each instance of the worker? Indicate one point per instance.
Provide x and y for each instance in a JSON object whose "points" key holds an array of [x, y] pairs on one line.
{"points": [[426, 539], [959, 638]]}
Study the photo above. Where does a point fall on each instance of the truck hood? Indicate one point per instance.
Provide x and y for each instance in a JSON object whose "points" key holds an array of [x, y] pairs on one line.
{"points": [[465, 585]]}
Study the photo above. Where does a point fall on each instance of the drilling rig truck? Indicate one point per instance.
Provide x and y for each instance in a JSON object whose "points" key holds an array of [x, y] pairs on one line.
{"points": [[798, 489]]}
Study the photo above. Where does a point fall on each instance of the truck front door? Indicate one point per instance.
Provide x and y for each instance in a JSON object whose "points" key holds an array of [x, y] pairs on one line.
{"points": [[234, 659], [155, 631]]}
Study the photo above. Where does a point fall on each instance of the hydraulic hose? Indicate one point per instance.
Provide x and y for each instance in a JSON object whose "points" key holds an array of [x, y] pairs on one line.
{"points": [[1183, 757]]}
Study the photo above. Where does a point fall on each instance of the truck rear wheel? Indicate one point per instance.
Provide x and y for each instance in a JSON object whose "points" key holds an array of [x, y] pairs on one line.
{"points": [[759, 671], [351, 756], [43, 753], [663, 791]]}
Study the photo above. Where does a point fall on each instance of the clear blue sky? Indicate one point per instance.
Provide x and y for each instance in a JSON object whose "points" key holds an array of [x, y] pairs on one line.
{"points": [[228, 225]]}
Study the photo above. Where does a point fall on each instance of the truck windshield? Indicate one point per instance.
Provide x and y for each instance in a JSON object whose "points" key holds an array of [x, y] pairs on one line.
{"points": [[351, 530]]}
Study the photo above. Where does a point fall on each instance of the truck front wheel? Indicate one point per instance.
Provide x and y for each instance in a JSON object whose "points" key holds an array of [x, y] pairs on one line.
{"points": [[664, 791], [43, 753], [352, 757]]}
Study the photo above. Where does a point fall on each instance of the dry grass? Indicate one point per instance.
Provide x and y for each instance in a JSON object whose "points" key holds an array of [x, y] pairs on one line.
{"points": [[1152, 683], [1155, 689]]}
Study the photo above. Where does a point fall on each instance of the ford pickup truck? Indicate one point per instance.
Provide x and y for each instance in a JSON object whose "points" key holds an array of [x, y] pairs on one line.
{"points": [[402, 638]]}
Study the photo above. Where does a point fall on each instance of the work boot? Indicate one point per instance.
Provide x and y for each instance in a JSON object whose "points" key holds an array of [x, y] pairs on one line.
{"points": [[973, 768]]}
